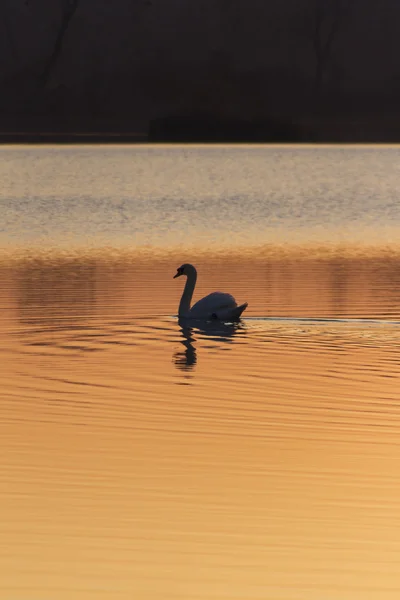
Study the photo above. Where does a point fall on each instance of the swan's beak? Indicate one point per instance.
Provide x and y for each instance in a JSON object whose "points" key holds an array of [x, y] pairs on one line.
{"points": [[179, 272]]}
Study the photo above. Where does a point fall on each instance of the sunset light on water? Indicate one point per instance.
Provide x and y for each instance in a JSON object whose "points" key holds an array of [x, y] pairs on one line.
{"points": [[143, 457]]}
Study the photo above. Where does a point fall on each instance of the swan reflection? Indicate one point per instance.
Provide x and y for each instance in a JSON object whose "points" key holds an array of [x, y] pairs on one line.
{"points": [[191, 331]]}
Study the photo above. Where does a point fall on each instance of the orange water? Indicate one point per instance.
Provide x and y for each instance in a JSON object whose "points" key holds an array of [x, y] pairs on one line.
{"points": [[145, 458], [142, 459]]}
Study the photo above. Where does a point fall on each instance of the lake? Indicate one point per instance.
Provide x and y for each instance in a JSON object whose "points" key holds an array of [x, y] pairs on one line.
{"points": [[143, 457]]}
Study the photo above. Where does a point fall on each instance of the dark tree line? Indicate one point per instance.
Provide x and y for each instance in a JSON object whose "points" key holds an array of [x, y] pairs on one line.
{"points": [[120, 65]]}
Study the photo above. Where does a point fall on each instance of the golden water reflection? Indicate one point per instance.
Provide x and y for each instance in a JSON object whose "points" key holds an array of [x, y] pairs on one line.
{"points": [[275, 281], [145, 457]]}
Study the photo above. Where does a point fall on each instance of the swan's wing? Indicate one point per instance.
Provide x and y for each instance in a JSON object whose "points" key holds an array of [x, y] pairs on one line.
{"points": [[232, 313], [212, 304]]}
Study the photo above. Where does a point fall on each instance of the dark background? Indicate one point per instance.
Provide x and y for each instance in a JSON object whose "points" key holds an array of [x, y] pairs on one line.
{"points": [[210, 70]]}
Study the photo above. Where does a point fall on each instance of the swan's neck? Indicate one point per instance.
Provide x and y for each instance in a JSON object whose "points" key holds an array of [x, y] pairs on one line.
{"points": [[184, 305]]}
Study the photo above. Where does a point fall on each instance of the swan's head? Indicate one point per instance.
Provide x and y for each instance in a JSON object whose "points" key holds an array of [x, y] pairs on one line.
{"points": [[185, 269]]}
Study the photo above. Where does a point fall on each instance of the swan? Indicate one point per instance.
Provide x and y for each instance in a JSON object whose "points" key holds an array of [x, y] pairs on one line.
{"points": [[214, 306]]}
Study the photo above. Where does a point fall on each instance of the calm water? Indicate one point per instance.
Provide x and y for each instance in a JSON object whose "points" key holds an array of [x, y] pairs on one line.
{"points": [[140, 458]]}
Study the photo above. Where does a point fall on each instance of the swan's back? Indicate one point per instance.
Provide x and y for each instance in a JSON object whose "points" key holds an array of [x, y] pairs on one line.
{"points": [[212, 304]]}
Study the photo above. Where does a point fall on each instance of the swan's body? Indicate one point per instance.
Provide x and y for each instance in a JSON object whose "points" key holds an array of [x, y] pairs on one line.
{"points": [[217, 305]]}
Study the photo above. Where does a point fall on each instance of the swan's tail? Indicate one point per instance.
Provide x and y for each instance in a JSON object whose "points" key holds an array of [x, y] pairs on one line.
{"points": [[240, 309], [230, 314]]}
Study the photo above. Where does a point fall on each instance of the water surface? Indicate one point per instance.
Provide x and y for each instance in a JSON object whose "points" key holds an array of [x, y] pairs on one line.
{"points": [[140, 457]]}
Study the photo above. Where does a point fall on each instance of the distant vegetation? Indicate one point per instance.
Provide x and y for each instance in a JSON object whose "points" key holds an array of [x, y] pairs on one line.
{"points": [[216, 70], [209, 128]]}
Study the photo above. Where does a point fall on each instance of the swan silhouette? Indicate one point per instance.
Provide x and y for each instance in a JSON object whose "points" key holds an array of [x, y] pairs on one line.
{"points": [[217, 305]]}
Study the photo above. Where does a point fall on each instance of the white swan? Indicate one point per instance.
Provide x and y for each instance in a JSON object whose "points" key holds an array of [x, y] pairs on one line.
{"points": [[214, 306]]}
